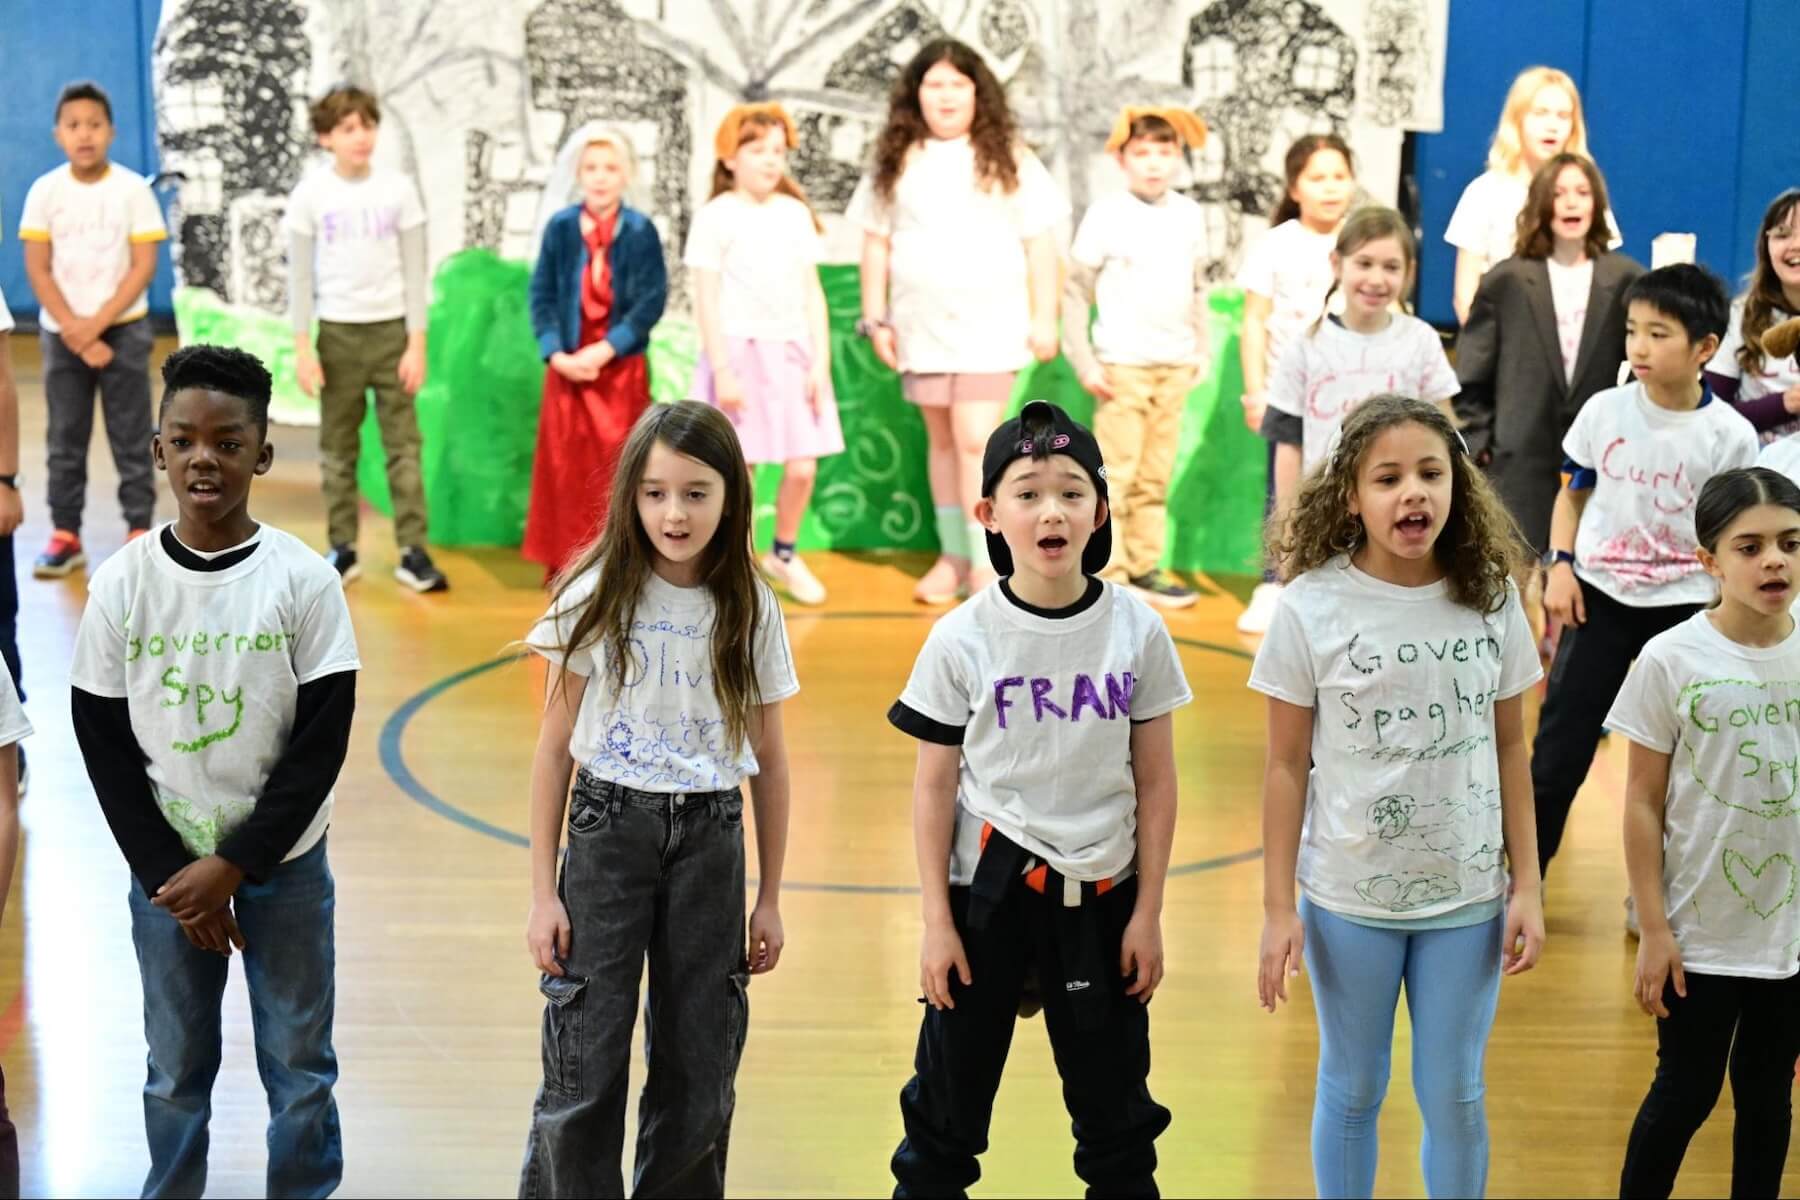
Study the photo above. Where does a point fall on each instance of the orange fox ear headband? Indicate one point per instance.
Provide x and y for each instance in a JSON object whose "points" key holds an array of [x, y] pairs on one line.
{"points": [[728, 139], [1189, 127]]}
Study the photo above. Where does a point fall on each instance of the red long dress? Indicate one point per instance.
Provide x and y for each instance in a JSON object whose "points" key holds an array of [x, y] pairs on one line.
{"points": [[583, 426]]}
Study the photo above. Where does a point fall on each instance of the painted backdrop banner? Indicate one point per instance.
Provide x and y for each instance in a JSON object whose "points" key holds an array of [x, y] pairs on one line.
{"points": [[479, 95]]}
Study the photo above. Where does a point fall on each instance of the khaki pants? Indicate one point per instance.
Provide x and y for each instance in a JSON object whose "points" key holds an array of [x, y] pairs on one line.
{"points": [[358, 359], [1138, 430]]}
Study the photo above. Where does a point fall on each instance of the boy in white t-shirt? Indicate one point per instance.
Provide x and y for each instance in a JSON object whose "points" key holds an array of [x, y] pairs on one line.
{"points": [[1044, 812], [1141, 254], [1622, 562], [356, 256], [90, 230], [214, 682]]}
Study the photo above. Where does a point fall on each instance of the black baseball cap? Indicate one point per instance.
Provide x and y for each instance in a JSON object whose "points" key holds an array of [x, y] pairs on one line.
{"points": [[1009, 443]]}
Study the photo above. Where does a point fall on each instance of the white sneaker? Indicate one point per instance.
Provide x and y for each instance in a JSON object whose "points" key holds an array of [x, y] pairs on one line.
{"points": [[793, 577], [1256, 618]]}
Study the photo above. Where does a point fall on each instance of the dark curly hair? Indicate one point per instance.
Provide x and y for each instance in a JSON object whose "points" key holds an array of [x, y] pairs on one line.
{"points": [[1479, 547], [994, 135], [222, 369]]}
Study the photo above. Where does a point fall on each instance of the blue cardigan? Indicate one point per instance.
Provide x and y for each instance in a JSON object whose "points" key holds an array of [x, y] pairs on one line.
{"points": [[640, 283]]}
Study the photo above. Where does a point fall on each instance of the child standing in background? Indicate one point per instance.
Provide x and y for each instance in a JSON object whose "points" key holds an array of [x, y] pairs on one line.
{"points": [[959, 216], [1546, 332], [357, 250], [655, 864], [1343, 360], [1765, 389], [754, 249], [1397, 791], [597, 290], [1712, 831], [1540, 119], [1622, 563], [1140, 253], [90, 230], [1286, 278]]}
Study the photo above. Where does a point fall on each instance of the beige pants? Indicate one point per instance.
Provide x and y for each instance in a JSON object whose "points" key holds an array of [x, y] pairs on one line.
{"points": [[359, 359], [1138, 430]]}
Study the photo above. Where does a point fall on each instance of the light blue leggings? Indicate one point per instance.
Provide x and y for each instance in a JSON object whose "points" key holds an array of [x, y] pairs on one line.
{"points": [[1452, 979]]}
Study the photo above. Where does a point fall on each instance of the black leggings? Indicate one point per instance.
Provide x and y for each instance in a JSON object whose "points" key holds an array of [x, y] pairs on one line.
{"points": [[1591, 663], [1754, 1026]]}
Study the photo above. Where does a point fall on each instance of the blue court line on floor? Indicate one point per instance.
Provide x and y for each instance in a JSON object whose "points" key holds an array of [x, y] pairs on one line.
{"points": [[393, 761]]}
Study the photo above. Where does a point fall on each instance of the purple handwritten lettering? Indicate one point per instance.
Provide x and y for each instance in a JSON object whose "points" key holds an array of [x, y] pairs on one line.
{"points": [[1040, 700], [1001, 703]]}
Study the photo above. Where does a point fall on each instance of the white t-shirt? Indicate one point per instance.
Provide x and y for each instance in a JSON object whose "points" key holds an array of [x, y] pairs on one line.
{"points": [[665, 732], [91, 228], [212, 663], [1291, 265], [1046, 706], [1486, 220], [1726, 714], [1147, 256], [6, 317], [355, 225], [1403, 814], [1570, 288], [1777, 375], [767, 256], [14, 726], [958, 290], [1636, 540], [1323, 376], [1783, 456]]}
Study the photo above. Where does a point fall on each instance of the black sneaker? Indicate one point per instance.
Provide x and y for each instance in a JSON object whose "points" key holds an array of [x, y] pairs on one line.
{"points": [[1163, 590], [418, 572], [343, 561]]}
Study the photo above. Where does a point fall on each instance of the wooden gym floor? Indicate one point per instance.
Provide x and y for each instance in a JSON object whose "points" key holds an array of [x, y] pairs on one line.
{"points": [[438, 1010]]}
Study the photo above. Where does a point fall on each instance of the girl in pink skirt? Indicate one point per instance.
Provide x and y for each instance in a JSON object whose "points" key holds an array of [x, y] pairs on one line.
{"points": [[765, 360]]}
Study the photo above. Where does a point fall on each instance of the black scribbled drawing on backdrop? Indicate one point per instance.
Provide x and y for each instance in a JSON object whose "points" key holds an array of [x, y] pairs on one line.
{"points": [[1396, 36], [1262, 73], [585, 60], [229, 88]]}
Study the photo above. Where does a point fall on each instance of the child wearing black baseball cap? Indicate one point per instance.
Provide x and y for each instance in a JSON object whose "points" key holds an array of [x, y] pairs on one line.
{"points": [[1044, 809]]}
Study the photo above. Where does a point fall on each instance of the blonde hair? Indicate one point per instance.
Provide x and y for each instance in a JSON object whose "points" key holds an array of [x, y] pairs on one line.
{"points": [[620, 144], [1507, 153]]}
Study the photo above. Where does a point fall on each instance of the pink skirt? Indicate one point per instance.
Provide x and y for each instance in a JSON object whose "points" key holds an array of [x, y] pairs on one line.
{"points": [[777, 423]]}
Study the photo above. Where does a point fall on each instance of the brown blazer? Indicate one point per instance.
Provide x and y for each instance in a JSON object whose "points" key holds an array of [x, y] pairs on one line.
{"points": [[1516, 402]]}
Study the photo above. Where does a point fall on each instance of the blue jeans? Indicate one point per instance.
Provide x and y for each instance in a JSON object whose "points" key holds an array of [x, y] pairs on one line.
{"points": [[289, 966], [1452, 979]]}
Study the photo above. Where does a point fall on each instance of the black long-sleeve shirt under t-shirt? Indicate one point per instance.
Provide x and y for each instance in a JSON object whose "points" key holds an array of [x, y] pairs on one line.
{"points": [[299, 782]]}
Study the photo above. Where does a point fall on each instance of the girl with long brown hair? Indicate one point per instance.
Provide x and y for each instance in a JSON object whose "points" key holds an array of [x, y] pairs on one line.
{"points": [[1545, 333], [959, 278], [668, 662]]}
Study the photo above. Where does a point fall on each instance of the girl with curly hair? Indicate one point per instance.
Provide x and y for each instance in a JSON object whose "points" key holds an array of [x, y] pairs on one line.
{"points": [[1397, 790], [959, 278]]}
